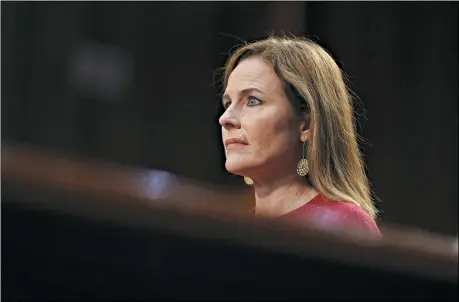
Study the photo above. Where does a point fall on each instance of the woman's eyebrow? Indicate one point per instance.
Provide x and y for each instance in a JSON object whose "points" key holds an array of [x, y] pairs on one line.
{"points": [[245, 91]]}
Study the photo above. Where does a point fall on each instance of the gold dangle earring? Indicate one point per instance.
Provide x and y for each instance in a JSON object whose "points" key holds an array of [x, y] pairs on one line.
{"points": [[248, 180], [303, 167]]}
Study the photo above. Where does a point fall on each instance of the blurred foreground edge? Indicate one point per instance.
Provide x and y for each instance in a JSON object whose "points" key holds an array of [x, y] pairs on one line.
{"points": [[82, 230]]}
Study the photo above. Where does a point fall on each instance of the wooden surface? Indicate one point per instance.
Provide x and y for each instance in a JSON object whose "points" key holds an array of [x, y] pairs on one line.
{"points": [[116, 195], [39, 168]]}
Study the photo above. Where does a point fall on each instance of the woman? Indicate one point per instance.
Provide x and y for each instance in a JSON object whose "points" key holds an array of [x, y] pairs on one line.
{"points": [[288, 128]]}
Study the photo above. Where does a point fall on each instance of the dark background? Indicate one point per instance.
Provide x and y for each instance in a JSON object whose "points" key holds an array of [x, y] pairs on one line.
{"points": [[162, 110]]}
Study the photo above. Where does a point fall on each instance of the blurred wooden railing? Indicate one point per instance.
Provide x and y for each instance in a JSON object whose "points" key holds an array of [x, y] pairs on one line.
{"points": [[36, 168], [161, 202]]}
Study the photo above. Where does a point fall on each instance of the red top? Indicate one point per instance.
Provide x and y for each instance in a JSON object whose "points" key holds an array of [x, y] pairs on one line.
{"points": [[332, 215]]}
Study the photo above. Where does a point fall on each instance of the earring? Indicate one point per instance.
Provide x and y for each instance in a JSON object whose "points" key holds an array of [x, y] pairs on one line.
{"points": [[248, 180], [303, 167]]}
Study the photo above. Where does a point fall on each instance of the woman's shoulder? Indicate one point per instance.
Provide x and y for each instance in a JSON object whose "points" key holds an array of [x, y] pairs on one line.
{"points": [[330, 214]]}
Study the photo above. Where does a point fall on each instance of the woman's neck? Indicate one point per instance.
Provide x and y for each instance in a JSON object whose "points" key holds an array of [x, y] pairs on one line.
{"points": [[281, 196]]}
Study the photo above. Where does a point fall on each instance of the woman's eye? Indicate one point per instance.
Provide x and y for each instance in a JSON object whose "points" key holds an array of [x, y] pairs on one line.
{"points": [[226, 105], [253, 101]]}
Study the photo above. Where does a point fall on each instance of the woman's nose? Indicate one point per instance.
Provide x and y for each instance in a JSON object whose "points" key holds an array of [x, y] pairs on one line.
{"points": [[229, 120]]}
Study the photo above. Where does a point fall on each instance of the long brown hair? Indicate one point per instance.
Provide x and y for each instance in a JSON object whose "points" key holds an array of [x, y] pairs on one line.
{"points": [[336, 167]]}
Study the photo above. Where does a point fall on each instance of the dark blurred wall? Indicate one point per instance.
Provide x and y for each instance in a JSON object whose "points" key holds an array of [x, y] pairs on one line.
{"points": [[401, 58]]}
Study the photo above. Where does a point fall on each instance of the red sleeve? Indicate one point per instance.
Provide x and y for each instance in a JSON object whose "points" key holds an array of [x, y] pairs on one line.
{"points": [[331, 215], [356, 217]]}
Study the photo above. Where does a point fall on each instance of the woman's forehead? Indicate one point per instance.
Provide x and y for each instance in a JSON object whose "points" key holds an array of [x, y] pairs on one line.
{"points": [[253, 73]]}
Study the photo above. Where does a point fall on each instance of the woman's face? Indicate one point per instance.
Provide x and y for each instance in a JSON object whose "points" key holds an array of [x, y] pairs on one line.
{"points": [[261, 135]]}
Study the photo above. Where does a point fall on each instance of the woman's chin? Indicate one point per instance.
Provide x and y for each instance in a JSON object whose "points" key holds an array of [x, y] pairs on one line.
{"points": [[236, 168]]}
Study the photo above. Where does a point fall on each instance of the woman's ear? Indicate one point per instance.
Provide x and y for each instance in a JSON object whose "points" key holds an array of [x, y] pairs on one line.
{"points": [[304, 127], [304, 135]]}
